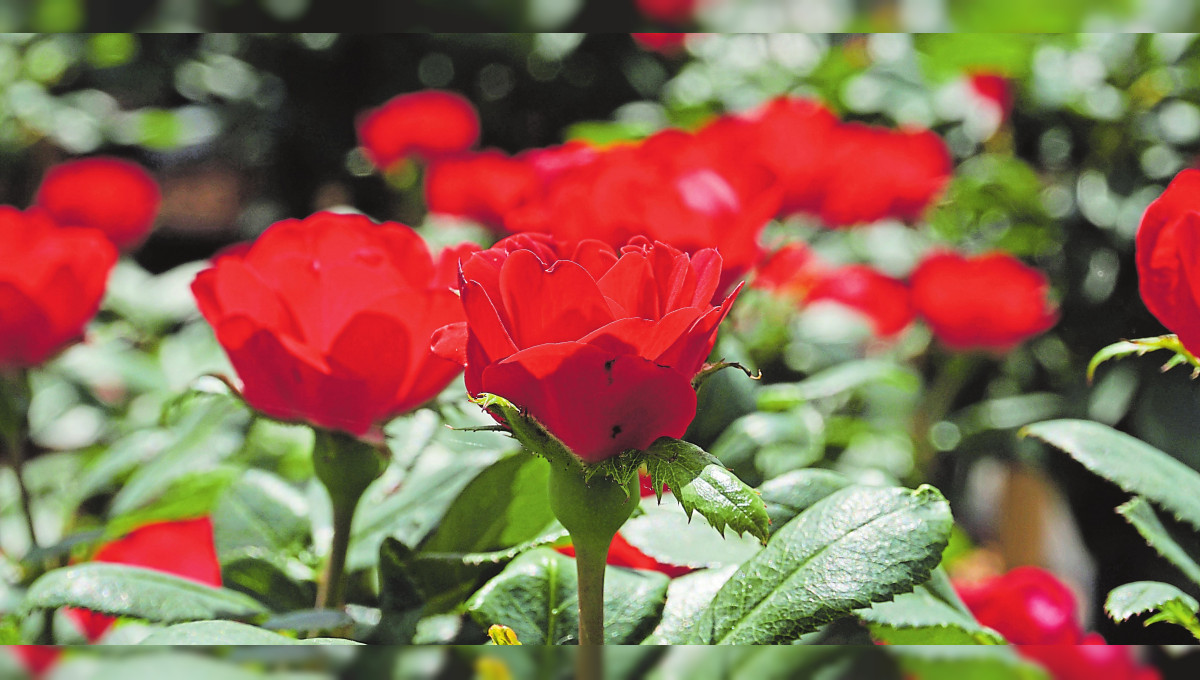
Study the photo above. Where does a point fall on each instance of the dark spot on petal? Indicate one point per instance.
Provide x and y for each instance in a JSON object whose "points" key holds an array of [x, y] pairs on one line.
{"points": [[616, 430]]}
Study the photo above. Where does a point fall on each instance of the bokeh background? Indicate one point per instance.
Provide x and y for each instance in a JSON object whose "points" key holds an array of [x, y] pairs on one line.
{"points": [[245, 130]]}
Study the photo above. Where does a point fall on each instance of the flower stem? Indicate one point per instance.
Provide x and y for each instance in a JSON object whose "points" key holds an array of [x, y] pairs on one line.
{"points": [[346, 466], [591, 511], [14, 410]]}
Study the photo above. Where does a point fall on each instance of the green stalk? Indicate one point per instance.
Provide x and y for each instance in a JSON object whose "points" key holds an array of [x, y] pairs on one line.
{"points": [[346, 466], [592, 512], [14, 418]]}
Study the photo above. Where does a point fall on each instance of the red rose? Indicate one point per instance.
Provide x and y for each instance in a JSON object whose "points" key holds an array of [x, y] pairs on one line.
{"points": [[795, 272], [37, 659], [886, 302], [484, 187], [1168, 258], [117, 197], [182, 548], [790, 136], [1028, 606], [599, 345], [991, 302], [328, 320], [1089, 659], [673, 187], [430, 124], [51, 282], [873, 173]]}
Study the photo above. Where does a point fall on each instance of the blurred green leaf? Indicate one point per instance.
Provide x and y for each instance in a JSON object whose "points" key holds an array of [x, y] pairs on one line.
{"points": [[1131, 464], [222, 633], [955, 662], [260, 511], [837, 380], [687, 598], [922, 618]]}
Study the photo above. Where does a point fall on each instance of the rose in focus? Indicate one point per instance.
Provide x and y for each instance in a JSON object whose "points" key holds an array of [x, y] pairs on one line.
{"points": [[52, 279], [599, 345], [328, 320], [1168, 258]]}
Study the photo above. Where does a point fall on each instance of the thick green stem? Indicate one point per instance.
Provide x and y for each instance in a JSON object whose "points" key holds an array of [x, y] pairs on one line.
{"points": [[346, 466], [592, 512]]}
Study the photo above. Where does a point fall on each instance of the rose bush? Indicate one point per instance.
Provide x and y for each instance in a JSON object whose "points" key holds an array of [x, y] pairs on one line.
{"points": [[428, 124], [52, 279], [1168, 254], [327, 320], [599, 345], [989, 302], [115, 196]]}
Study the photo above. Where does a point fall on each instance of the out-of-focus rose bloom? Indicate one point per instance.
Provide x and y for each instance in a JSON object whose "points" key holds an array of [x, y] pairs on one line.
{"points": [[991, 302], [484, 187], [667, 11], [36, 659], [994, 90], [666, 43], [429, 124], [1168, 258], [115, 196]]}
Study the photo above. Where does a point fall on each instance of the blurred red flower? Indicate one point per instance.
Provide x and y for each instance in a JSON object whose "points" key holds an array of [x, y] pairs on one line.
{"points": [[990, 302], [795, 272], [667, 11], [328, 320], [183, 548], [1036, 612], [37, 659], [660, 42], [1027, 605], [872, 173], [600, 346], [429, 124], [484, 187], [115, 196], [672, 187], [52, 279], [1168, 258], [995, 90]]}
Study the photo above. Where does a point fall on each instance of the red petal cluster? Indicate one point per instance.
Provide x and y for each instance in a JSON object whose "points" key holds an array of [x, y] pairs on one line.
{"points": [[599, 345], [794, 271], [716, 188], [328, 320], [183, 548], [430, 124], [844, 173], [115, 196], [1168, 258], [994, 90], [990, 302], [52, 279], [1036, 612]]}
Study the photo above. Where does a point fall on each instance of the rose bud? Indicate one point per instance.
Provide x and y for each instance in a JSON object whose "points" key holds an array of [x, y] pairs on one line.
{"points": [[429, 124], [52, 279], [991, 302], [328, 320], [115, 196], [599, 345]]}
